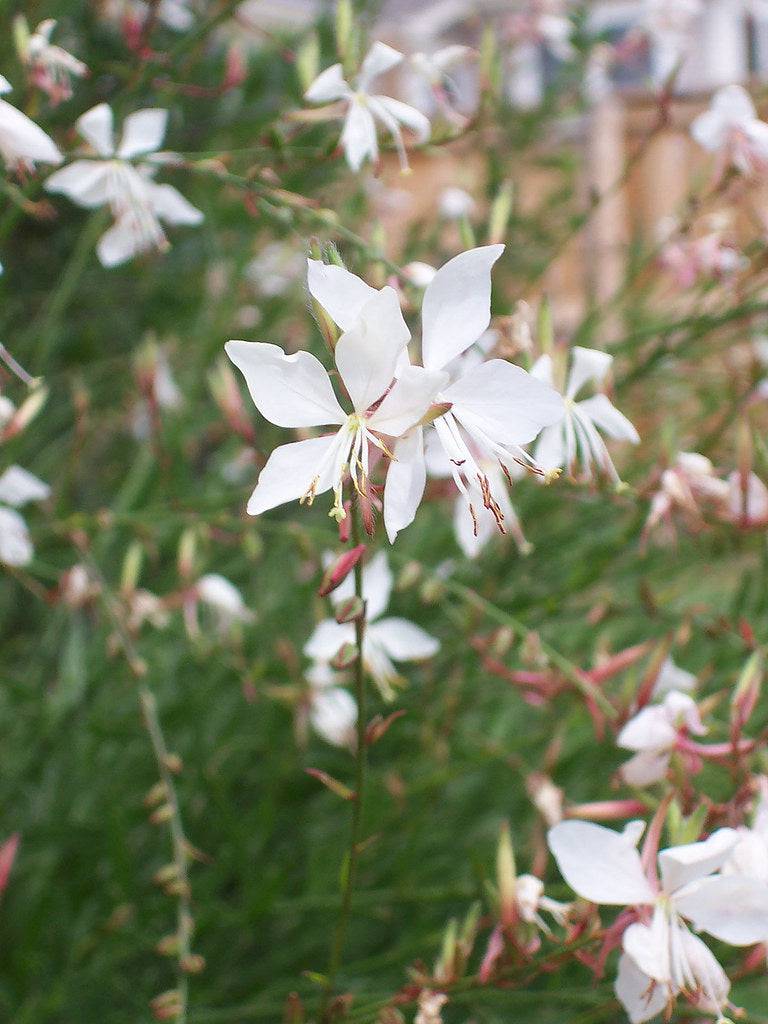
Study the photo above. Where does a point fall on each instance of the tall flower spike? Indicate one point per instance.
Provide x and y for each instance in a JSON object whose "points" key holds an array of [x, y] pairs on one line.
{"points": [[363, 108], [295, 391], [22, 142], [577, 437], [125, 183]]}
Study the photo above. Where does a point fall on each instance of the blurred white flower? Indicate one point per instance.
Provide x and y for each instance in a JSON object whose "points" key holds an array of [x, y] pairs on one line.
{"points": [[672, 677], [224, 600], [747, 504], [133, 14], [384, 641], [277, 267], [17, 488], [455, 204], [732, 129], [653, 734], [576, 438], [332, 709], [419, 274], [159, 389], [50, 67], [22, 142], [430, 1005], [138, 203], [663, 959], [749, 858], [687, 486], [363, 109], [296, 391]]}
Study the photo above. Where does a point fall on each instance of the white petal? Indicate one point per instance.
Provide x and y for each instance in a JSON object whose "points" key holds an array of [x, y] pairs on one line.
{"points": [[732, 909], [645, 768], [588, 365], [366, 355], [341, 294], [551, 449], [681, 710], [329, 85], [328, 636], [636, 992], [649, 946], [471, 542], [15, 545], [457, 305], [599, 864], [543, 370], [734, 105], [171, 206], [223, 596], [289, 473], [18, 486], [607, 417], [119, 243], [358, 137], [403, 640], [289, 391], [95, 126], [404, 488], [333, 714], [650, 729], [681, 865], [412, 118], [672, 677], [143, 132], [712, 981], [504, 402], [85, 182], [380, 58], [5, 85], [21, 139], [412, 394]]}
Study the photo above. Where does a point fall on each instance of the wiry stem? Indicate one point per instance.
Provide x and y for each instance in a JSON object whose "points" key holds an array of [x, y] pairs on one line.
{"points": [[355, 836]]}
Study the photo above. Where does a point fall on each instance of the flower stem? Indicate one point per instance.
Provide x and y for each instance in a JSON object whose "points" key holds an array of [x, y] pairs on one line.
{"points": [[349, 867]]}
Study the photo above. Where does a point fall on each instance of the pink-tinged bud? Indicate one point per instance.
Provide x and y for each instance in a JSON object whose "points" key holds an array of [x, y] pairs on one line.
{"points": [[8, 852], [186, 555], [26, 412], [345, 524], [506, 877], [236, 70], [746, 694], [194, 963], [350, 610], [345, 657], [335, 575], [166, 1006], [330, 783], [608, 810], [616, 663], [650, 851], [492, 954], [379, 725]]}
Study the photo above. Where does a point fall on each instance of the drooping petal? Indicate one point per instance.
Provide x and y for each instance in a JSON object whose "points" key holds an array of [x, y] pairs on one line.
{"points": [[95, 126], [358, 136], [366, 355], [407, 115], [326, 639], [732, 909], [412, 394], [681, 865], [637, 993], [380, 58], [21, 139], [143, 132], [15, 544], [457, 305], [171, 206], [404, 487], [333, 714], [403, 640], [646, 767], [85, 182], [119, 243], [649, 946], [650, 729], [341, 294], [290, 472], [504, 402], [601, 411], [329, 85], [713, 984], [599, 864], [18, 487], [288, 390], [551, 450], [588, 365]]}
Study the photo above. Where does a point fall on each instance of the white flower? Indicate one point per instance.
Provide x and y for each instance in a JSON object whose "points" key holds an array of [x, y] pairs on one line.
{"points": [[363, 108], [51, 68], [577, 436], [174, 14], [662, 957], [419, 274], [296, 391], [672, 677], [492, 407], [732, 128], [384, 641], [455, 203], [17, 488], [22, 142], [749, 858], [530, 900], [747, 503], [332, 709], [224, 599], [138, 203], [653, 734], [277, 267]]}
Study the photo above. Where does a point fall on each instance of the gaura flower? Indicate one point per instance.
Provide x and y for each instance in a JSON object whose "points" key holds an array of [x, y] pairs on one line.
{"points": [[363, 109], [576, 438], [661, 957], [384, 641], [22, 142], [50, 67], [749, 858], [223, 599], [332, 709], [17, 488], [491, 407], [687, 486], [295, 391], [545, 22], [138, 203], [672, 677], [653, 734], [732, 129], [455, 203], [747, 503]]}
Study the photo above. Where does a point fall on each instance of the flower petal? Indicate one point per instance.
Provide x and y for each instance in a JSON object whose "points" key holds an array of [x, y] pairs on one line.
{"points": [[366, 355], [18, 486], [290, 472], [649, 946], [143, 132], [22, 139], [504, 402], [326, 639], [457, 305], [333, 714], [288, 390], [95, 126], [588, 365], [119, 243], [15, 544], [601, 411], [732, 909], [650, 729], [636, 992], [412, 394], [404, 488], [380, 58], [599, 864], [407, 115], [645, 768], [403, 640], [329, 85], [171, 206], [341, 294], [84, 182], [358, 136], [681, 865]]}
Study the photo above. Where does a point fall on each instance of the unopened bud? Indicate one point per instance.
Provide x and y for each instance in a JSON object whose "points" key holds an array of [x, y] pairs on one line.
{"points": [[506, 875], [185, 559], [335, 575], [161, 815], [166, 874], [177, 888], [156, 795], [501, 210], [26, 412], [131, 571], [173, 763], [345, 657], [545, 333], [409, 576], [747, 691], [167, 1006], [168, 945], [308, 61], [193, 964], [344, 27], [350, 610]]}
